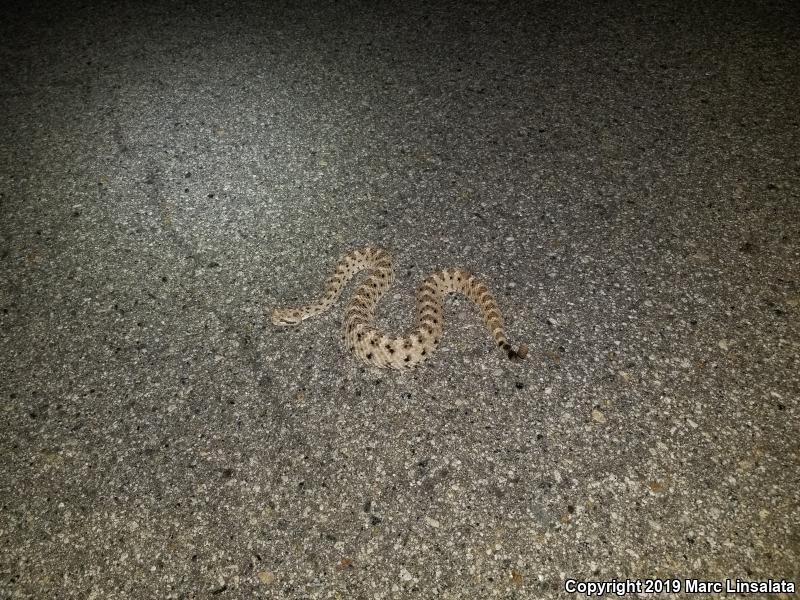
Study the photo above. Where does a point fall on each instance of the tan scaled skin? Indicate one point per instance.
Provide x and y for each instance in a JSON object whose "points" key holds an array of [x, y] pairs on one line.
{"points": [[375, 347]]}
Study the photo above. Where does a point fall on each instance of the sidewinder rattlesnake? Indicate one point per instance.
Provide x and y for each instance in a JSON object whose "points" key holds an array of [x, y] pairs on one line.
{"points": [[375, 347]]}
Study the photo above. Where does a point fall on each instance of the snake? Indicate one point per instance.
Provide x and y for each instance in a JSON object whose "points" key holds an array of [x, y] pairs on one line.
{"points": [[377, 348]]}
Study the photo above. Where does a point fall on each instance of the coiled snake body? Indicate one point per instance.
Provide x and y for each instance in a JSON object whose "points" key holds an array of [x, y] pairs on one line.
{"points": [[375, 347]]}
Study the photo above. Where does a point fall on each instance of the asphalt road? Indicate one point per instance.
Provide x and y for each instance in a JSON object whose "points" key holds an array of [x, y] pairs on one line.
{"points": [[623, 176]]}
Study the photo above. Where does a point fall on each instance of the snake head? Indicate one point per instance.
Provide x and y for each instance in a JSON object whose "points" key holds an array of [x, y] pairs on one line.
{"points": [[285, 317]]}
